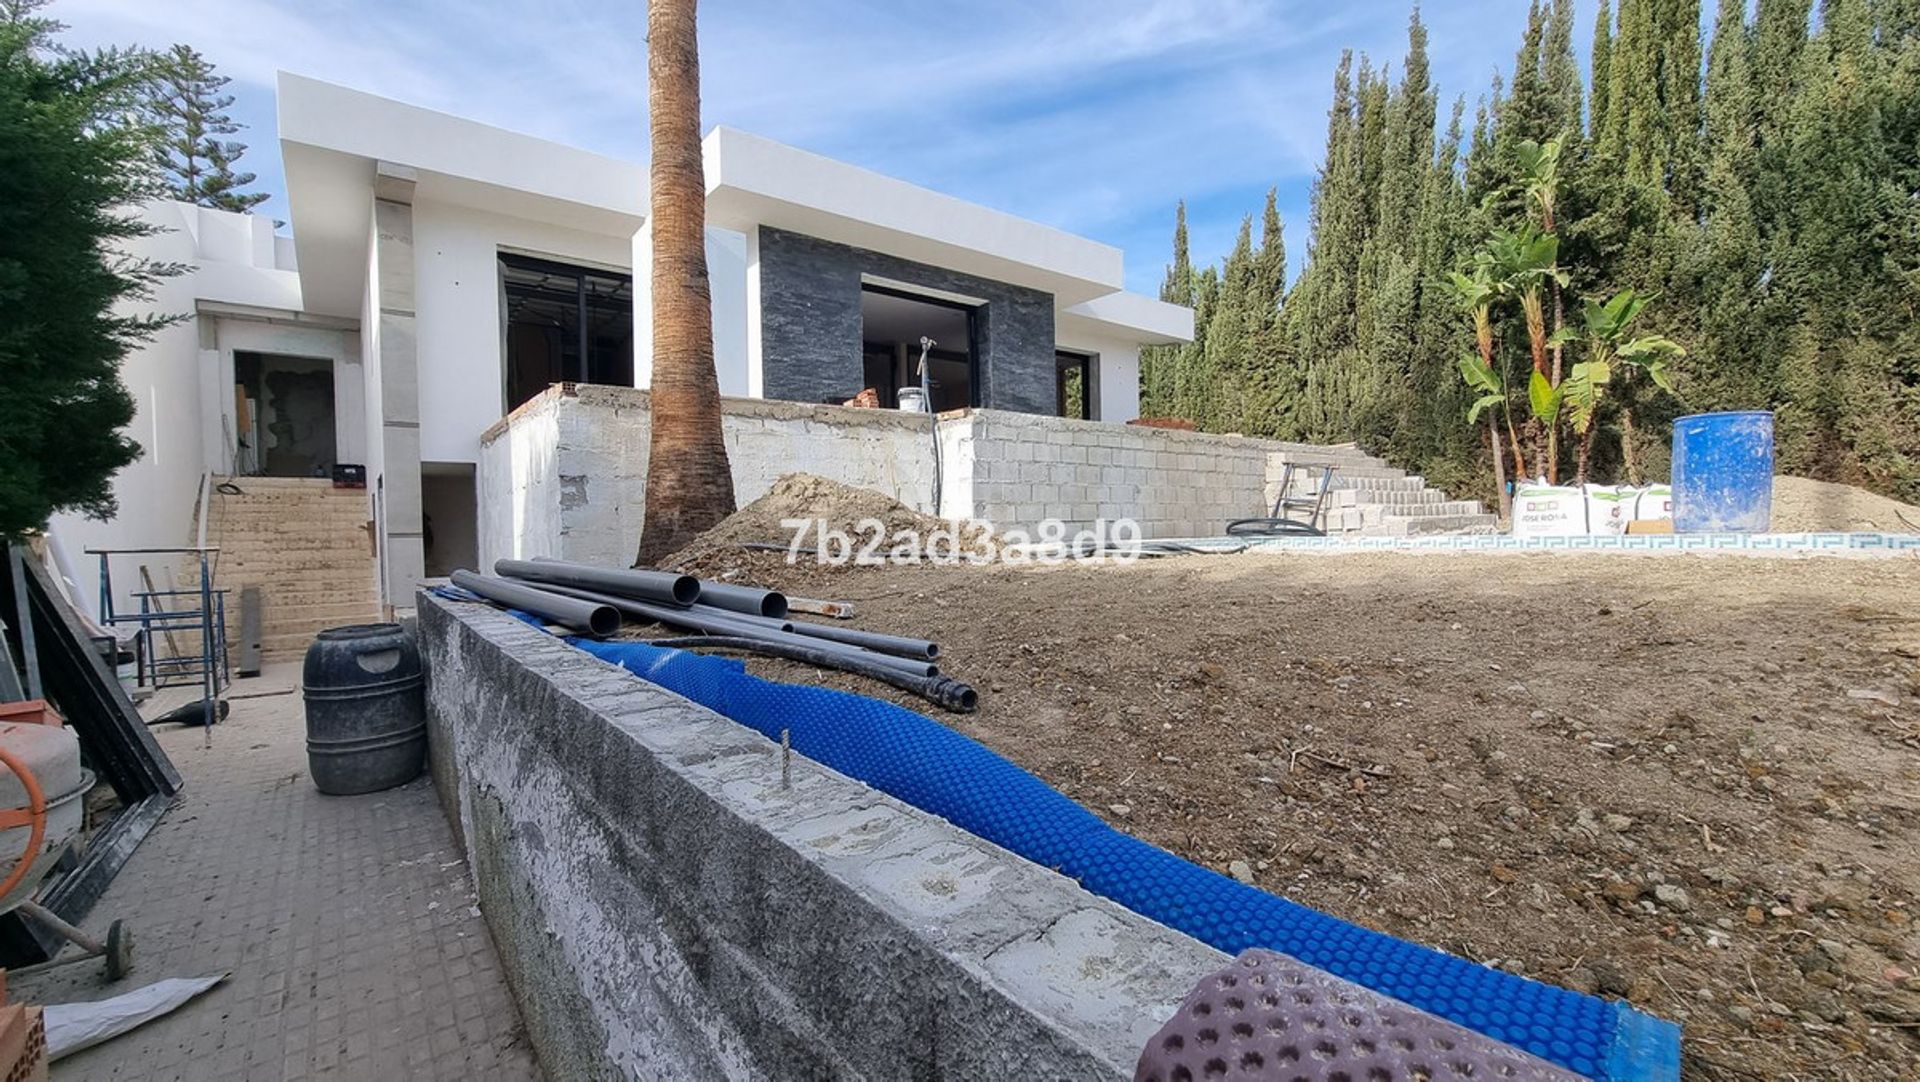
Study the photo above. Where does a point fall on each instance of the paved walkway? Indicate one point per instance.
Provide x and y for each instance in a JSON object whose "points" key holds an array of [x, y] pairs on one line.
{"points": [[347, 923]]}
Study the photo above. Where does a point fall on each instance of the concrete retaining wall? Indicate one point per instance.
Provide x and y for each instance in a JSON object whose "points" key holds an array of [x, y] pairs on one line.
{"points": [[565, 474], [665, 909], [1174, 484]]}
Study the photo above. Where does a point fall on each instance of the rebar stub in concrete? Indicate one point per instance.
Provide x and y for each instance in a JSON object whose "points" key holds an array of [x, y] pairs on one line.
{"points": [[1269, 1016]]}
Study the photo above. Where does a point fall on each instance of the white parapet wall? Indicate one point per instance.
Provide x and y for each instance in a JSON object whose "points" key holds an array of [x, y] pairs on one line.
{"points": [[565, 474]]}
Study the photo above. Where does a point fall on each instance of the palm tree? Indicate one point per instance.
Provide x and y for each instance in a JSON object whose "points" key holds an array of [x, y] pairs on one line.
{"points": [[689, 483], [1540, 183], [1477, 292], [1527, 261]]}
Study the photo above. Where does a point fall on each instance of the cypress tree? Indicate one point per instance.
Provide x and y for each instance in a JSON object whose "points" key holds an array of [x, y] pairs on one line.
{"points": [[1734, 368], [1602, 80], [1159, 365], [1270, 265], [70, 165], [1227, 358], [1772, 203], [1561, 71]]}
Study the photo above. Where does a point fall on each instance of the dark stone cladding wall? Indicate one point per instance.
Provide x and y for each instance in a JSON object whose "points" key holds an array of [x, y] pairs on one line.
{"points": [[810, 323]]}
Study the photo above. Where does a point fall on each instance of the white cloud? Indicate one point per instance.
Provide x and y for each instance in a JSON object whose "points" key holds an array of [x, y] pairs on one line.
{"points": [[1092, 115]]}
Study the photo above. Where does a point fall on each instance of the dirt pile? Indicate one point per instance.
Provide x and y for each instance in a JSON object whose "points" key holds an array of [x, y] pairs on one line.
{"points": [[1803, 505], [1686, 781], [854, 512]]}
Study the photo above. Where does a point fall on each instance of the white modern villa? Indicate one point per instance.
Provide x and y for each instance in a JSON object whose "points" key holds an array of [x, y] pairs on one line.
{"points": [[442, 272]]}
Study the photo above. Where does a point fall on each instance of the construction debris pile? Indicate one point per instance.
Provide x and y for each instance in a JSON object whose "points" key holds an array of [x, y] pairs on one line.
{"points": [[595, 602], [755, 534]]}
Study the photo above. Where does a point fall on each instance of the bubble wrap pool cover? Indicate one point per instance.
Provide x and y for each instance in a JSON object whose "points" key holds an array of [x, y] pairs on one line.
{"points": [[922, 762]]}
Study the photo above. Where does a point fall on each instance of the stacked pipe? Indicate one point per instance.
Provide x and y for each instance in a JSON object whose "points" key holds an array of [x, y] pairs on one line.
{"points": [[721, 616]]}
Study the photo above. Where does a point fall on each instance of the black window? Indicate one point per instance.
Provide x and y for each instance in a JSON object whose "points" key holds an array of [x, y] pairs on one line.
{"points": [[565, 324]]}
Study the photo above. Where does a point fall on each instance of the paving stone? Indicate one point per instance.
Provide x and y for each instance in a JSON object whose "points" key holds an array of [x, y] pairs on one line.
{"points": [[346, 923]]}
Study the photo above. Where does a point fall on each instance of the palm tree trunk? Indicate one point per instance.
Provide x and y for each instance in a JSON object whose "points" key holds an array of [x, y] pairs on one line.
{"points": [[1499, 469], [689, 483], [1584, 453], [1626, 446]]}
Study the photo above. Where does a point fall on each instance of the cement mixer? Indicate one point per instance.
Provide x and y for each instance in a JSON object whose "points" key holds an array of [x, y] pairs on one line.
{"points": [[43, 791]]}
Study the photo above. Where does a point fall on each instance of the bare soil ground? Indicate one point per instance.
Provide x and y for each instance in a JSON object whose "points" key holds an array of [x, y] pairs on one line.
{"points": [[1803, 504], [1686, 781]]}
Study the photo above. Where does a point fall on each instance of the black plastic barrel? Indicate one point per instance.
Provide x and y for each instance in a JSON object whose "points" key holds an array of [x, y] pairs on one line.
{"points": [[366, 714]]}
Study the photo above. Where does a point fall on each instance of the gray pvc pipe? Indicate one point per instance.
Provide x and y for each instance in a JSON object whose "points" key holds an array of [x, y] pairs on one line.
{"points": [[699, 618], [747, 599], [582, 615], [871, 640], [665, 587], [711, 621]]}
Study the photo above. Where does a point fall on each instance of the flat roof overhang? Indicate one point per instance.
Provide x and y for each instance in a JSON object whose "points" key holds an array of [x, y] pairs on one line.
{"points": [[752, 181], [1131, 316], [333, 139]]}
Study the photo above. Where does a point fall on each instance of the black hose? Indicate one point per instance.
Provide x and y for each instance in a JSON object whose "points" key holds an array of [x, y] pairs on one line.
{"points": [[942, 691], [761, 627]]}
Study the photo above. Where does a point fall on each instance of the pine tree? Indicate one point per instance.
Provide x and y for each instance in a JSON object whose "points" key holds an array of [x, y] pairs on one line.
{"points": [[188, 104]]}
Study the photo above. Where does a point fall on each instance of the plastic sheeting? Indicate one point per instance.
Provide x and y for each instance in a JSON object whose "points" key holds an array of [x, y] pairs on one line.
{"points": [[74, 1026], [923, 763]]}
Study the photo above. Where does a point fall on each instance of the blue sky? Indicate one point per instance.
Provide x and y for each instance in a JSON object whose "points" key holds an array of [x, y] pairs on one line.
{"points": [[1091, 115]]}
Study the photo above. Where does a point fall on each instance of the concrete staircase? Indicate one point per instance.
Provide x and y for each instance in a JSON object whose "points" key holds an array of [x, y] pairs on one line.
{"points": [[306, 545], [1369, 498]]}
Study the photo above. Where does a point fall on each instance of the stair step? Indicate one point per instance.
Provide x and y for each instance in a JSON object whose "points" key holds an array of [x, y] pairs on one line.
{"points": [[1375, 497], [1427, 525], [1402, 483]]}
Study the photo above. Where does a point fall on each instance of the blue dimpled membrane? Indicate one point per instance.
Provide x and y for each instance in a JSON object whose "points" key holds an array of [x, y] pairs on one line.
{"points": [[923, 763]]}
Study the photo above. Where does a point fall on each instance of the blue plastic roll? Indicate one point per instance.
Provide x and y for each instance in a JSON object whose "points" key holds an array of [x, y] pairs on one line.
{"points": [[922, 762], [1723, 472]]}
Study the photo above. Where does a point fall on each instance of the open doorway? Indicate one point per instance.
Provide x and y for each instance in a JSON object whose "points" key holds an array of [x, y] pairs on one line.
{"points": [[283, 413], [1073, 385], [449, 518], [892, 323]]}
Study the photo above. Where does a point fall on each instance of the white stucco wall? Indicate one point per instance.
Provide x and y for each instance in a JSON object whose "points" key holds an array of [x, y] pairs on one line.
{"points": [[517, 487], [565, 476], [457, 295], [727, 282], [230, 259], [1116, 375]]}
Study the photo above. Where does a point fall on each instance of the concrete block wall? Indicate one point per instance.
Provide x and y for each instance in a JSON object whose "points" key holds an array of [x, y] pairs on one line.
{"points": [[665, 908], [1174, 484], [565, 474]]}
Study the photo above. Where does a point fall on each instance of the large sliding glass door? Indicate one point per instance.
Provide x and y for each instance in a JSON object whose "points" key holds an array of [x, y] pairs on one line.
{"points": [[564, 324]]}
